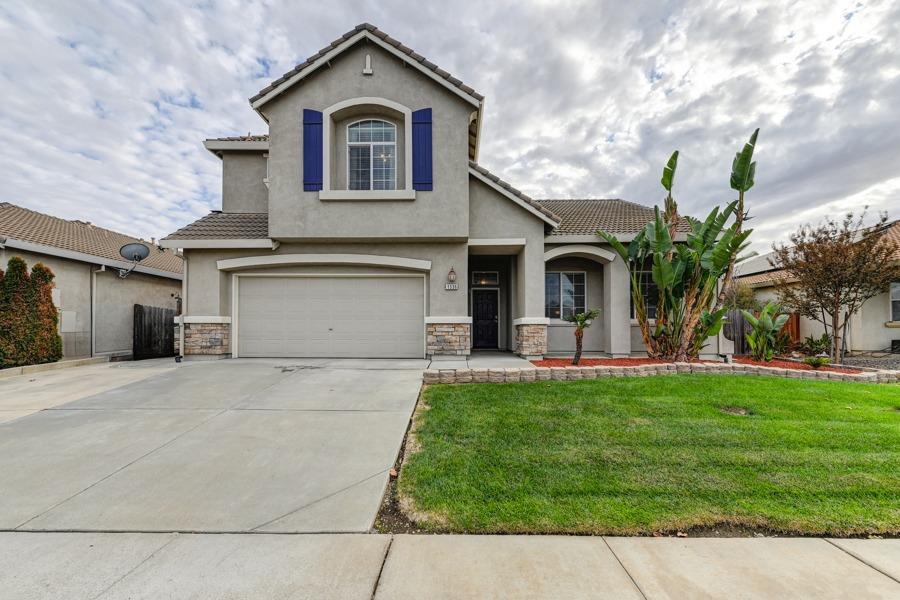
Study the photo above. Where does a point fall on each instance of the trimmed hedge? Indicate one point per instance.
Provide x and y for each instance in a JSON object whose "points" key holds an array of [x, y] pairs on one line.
{"points": [[29, 332]]}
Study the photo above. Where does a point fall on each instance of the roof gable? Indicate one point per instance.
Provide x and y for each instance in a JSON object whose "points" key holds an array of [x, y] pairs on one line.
{"points": [[348, 40]]}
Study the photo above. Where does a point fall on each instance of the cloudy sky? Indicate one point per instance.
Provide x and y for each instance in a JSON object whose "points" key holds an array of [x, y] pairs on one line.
{"points": [[105, 104]]}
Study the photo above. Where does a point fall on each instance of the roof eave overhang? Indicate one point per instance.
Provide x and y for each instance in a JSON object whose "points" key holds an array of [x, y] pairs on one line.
{"points": [[507, 194], [219, 146], [596, 239], [87, 258], [257, 102], [199, 244]]}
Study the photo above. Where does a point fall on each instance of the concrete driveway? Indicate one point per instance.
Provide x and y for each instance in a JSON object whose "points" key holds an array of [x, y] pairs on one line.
{"points": [[226, 446]]}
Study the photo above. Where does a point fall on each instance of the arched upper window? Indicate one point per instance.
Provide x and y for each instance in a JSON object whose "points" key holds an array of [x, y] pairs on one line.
{"points": [[372, 155]]}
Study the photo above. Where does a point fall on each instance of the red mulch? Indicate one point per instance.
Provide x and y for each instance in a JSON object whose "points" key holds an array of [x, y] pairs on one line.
{"points": [[633, 362], [790, 364], [599, 362]]}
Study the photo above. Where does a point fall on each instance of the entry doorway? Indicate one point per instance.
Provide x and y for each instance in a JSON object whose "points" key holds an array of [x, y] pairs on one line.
{"points": [[485, 318]]}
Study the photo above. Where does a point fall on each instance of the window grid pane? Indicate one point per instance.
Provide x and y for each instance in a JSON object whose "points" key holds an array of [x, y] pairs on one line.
{"points": [[551, 295], [372, 164], [359, 167]]}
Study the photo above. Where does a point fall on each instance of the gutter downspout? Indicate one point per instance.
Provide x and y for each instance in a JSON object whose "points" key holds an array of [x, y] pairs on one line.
{"points": [[94, 308], [184, 300]]}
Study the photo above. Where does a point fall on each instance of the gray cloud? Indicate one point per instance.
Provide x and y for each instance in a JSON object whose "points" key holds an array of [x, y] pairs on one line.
{"points": [[105, 105]]}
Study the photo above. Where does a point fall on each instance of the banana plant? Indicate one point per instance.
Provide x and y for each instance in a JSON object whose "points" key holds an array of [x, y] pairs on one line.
{"points": [[764, 336], [687, 272]]}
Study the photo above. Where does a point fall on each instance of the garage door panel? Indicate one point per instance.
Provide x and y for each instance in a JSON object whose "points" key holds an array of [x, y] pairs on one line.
{"points": [[331, 316]]}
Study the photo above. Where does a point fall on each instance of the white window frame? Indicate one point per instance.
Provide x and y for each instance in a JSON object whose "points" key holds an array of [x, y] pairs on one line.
{"points": [[371, 146], [631, 300], [893, 289], [559, 319]]}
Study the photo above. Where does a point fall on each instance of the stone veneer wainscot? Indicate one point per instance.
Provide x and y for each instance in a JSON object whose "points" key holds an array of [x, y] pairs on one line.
{"points": [[448, 338], [531, 340], [207, 338]]}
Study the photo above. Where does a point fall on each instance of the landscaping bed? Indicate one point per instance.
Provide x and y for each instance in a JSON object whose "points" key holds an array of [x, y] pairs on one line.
{"points": [[655, 455], [633, 362], [792, 364]]}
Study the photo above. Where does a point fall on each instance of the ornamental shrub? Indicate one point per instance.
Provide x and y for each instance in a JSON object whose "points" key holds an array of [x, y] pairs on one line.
{"points": [[29, 331]]}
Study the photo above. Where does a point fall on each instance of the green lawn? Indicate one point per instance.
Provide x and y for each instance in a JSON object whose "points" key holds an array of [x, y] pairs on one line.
{"points": [[632, 455]]}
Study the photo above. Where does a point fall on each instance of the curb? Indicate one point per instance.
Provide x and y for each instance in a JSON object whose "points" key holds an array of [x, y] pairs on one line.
{"points": [[63, 364], [578, 373]]}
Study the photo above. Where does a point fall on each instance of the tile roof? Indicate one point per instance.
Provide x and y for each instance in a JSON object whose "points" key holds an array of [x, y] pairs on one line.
{"points": [[517, 193], [586, 216], [241, 138], [27, 225], [892, 235], [382, 36], [221, 226], [764, 279]]}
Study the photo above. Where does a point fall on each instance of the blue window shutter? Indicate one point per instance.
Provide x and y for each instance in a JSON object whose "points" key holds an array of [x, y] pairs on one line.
{"points": [[421, 150], [312, 150]]}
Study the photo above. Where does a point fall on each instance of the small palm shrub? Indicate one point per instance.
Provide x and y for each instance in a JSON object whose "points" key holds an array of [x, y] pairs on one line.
{"points": [[582, 321], [763, 340], [817, 362], [814, 346]]}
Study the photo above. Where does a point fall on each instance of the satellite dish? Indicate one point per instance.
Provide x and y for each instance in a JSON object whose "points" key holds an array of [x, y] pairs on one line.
{"points": [[135, 252]]}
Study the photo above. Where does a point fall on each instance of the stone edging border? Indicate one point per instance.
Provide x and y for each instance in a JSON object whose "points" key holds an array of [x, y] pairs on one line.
{"points": [[579, 373]]}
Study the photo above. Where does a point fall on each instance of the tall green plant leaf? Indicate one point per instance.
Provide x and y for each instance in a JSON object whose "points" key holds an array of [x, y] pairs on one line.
{"points": [[668, 176], [742, 169]]}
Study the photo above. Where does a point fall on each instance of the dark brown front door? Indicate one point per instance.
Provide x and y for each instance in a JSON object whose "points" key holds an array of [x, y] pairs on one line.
{"points": [[484, 318]]}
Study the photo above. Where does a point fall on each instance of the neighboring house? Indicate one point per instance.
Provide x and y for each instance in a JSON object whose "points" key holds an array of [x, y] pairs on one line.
{"points": [[95, 305], [362, 225], [876, 327]]}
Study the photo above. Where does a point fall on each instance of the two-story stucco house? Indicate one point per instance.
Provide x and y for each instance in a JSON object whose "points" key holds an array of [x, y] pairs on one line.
{"points": [[362, 225]]}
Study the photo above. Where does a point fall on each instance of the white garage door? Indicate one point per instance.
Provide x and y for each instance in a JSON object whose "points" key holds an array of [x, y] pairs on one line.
{"points": [[340, 317]]}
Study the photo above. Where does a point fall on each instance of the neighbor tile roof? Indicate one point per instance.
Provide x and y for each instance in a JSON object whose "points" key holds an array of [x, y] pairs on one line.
{"points": [[517, 193], [586, 216], [264, 137], [384, 37], [764, 279], [27, 225], [221, 226]]}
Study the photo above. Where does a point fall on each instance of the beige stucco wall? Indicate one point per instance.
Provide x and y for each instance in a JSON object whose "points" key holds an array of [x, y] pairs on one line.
{"points": [[871, 330], [243, 189], [439, 214], [73, 282], [561, 334], [115, 302], [493, 216]]}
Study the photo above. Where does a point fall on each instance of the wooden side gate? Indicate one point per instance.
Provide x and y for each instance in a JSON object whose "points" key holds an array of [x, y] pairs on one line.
{"points": [[154, 334]]}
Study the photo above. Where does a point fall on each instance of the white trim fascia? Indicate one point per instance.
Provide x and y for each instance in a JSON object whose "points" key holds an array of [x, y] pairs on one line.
{"points": [[348, 43], [276, 260], [202, 319], [513, 197], [531, 321], [326, 193], [366, 195], [448, 320], [221, 243], [488, 242], [216, 146], [606, 256], [88, 258]]}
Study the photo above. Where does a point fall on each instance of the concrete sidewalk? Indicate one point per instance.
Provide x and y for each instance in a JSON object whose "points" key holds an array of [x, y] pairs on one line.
{"points": [[135, 565]]}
